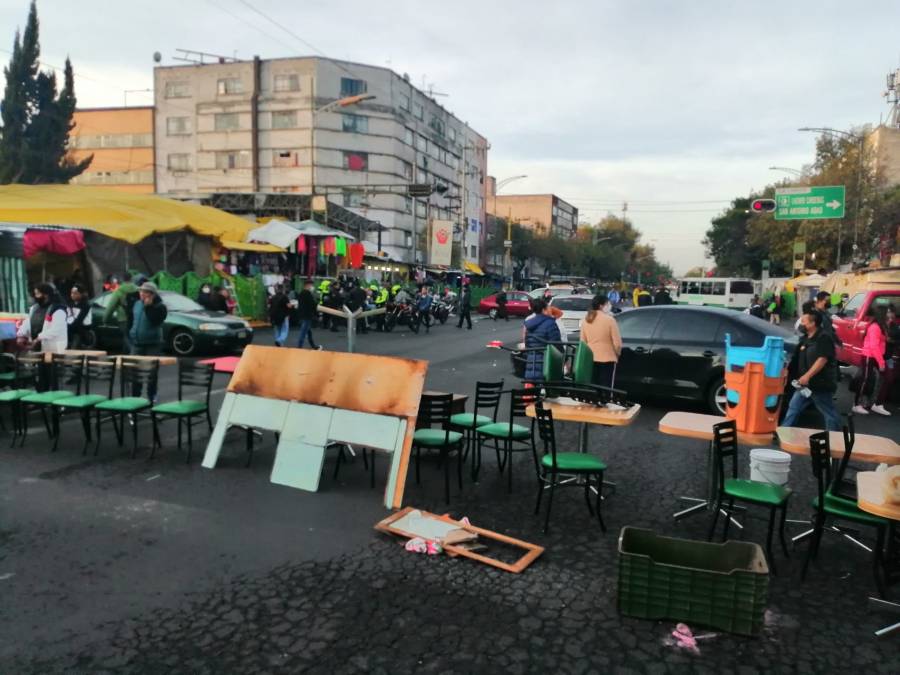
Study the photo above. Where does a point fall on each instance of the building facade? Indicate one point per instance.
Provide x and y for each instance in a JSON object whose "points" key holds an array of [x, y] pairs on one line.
{"points": [[121, 141], [544, 214], [272, 126]]}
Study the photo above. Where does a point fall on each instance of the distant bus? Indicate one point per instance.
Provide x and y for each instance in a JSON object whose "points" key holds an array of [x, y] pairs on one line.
{"points": [[715, 292]]}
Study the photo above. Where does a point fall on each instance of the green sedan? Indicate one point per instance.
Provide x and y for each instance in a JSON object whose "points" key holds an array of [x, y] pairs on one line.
{"points": [[189, 329]]}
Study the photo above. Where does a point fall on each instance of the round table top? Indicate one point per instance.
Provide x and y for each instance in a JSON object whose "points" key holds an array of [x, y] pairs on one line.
{"points": [[870, 495], [700, 426], [866, 447]]}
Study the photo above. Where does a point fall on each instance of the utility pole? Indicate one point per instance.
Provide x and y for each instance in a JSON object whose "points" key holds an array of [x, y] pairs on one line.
{"points": [[462, 208]]}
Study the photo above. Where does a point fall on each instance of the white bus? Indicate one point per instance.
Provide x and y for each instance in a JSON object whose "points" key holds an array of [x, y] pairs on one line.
{"points": [[716, 292]]}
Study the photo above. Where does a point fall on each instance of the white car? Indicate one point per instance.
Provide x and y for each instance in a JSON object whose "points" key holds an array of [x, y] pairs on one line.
{"points": [[574, 308]]}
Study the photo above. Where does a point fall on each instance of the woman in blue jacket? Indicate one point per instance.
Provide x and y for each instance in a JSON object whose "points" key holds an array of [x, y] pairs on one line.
{"points": [[540, 328]]}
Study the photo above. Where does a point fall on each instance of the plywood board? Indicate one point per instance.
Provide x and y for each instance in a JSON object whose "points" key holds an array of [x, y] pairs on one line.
{"points": [[394, 523], [590, 414], [371, 384]]}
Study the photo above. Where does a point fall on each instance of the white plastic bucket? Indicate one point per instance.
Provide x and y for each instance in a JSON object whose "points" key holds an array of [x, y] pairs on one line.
{"points": [[770, 466]]}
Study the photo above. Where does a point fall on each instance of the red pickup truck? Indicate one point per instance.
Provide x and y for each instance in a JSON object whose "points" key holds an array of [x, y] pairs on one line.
{"points": [[851, 322]]}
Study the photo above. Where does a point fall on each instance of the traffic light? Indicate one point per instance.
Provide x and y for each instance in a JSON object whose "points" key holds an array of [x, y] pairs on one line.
{"points": [[762, 205]]}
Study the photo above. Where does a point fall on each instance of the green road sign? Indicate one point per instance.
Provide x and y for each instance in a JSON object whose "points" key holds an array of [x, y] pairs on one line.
{"points": [[809, 203]]}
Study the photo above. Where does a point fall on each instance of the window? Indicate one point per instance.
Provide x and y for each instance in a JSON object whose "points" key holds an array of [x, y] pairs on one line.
{"points": [[356, 161], [178, 126], [637, 326], [351, 87], [473, 251], [407, 169], [177, 90], [421, 176], [882, 301], [852, 307], [112, 141], [285, 159], [688, 327], [354, 198], [742, 287], [693, 288], [421, 143], [437, 124], [740, 335], [418, 111], [573, 304], [179, 162], [452, 133], [421, 211], [407, 204], [227, 121], [287, 82], [705, 288], [229, 85], [284, 119], [404, 102], [408, 136], [355, 124], [407, 239], [232, 159]]}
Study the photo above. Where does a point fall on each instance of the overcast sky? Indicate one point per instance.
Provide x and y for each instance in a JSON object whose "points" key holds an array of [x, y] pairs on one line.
{"points": [[675, 106]]}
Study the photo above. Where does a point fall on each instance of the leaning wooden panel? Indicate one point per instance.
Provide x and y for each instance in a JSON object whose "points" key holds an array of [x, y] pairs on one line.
{"points": [[384, 385], [533, 551]]}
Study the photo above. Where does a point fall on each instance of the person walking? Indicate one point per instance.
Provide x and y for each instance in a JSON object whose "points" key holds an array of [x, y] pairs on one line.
{"points": [[146, 335], [815, 362], [662, 297], [357, 299], [891, 362], [613, 297], [501, 306], [600, 332], [117, 310], [423, 308], [644, 299], [465, 306], [775, 308], [279, 315], [78, 317], [307, 307], [540, 328], [874, 347], [634, 295]]}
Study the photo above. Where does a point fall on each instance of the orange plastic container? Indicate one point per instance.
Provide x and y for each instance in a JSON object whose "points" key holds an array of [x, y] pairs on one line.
{"points": [[751, 413]]}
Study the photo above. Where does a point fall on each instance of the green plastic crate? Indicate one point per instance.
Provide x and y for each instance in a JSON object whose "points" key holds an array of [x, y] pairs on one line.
{"points": [[722, 586]]}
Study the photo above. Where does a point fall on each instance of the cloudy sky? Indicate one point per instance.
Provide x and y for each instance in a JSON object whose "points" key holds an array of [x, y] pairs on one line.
{"points": [[672, 106]]}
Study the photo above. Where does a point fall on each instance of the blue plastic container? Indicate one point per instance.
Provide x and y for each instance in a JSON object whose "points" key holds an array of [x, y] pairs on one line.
{"points": [[771, 354]]}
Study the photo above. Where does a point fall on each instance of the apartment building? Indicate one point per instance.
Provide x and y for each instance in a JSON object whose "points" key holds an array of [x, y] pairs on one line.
{"points": [[286, 125], [545, 214], [121, 141]]}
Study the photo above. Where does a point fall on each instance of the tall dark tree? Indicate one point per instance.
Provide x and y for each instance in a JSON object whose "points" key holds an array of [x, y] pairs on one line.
{"points": [[35, 120], [727, 241]]}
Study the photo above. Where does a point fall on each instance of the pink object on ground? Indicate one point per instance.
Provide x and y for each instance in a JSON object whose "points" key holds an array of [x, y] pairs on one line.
{"points": [[223, 364]]}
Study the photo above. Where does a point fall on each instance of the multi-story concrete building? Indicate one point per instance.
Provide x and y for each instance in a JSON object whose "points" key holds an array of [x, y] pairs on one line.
{"points": [[121, 141], [545, 214], [289, 125]]}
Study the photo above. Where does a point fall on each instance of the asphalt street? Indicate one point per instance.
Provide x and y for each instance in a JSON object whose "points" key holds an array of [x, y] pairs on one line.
{"points": [[113, 564]]}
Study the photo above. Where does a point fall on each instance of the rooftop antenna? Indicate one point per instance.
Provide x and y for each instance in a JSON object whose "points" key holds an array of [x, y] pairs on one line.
{"points": [[201, 58]]}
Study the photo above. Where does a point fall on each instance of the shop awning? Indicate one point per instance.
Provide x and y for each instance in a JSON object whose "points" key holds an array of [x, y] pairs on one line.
{"points": [[250, 246], [124, 216], [275, 232], [311, 228], [474, 269]]}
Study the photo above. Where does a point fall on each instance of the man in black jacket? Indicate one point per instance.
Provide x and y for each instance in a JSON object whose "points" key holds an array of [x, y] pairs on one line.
{"points": [[465, 306], [357, 300], [279, 313], [307, 308]]}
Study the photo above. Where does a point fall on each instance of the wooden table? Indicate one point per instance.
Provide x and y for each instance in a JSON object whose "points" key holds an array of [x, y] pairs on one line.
{"points": [[866, 447], [870, 498], [93, 353], [700, 426]]}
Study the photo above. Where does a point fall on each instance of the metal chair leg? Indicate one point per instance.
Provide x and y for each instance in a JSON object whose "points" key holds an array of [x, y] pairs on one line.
{"points": [[134, 435], [771, 530], [190, 429], [600, 502], [712, 528], [728, 513], [55, 415], [86, 427], [587, 494], [445, 457], [550, 502], [781, 535], [97, 446], [156, 439], [541, 479]]}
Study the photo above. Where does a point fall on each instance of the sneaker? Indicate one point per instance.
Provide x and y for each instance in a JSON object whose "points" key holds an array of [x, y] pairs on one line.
{"points": [[319, 348], [880, 410], [859, 410]]}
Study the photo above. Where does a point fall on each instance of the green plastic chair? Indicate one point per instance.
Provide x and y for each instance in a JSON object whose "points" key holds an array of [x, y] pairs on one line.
{"points": [[195, 375], [773, 497], [64, 369], [509, 437], [135, 374], [829, 506], [99, 376], [553, 364], [487, 399], [434, 410], [554, 464], [583, 365], [27, 369]]}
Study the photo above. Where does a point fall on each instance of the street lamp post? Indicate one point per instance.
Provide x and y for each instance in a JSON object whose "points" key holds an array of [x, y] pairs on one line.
{"points": [[507, 263], [787, 169], [861, 139]]}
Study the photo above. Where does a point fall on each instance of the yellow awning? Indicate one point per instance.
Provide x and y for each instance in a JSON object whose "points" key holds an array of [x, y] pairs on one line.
{"points": [[474, 269], [124, 216], [250, 246]]}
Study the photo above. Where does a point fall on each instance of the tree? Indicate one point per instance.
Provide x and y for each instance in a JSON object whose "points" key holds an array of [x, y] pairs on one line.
{"points": [[35, 120]]}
